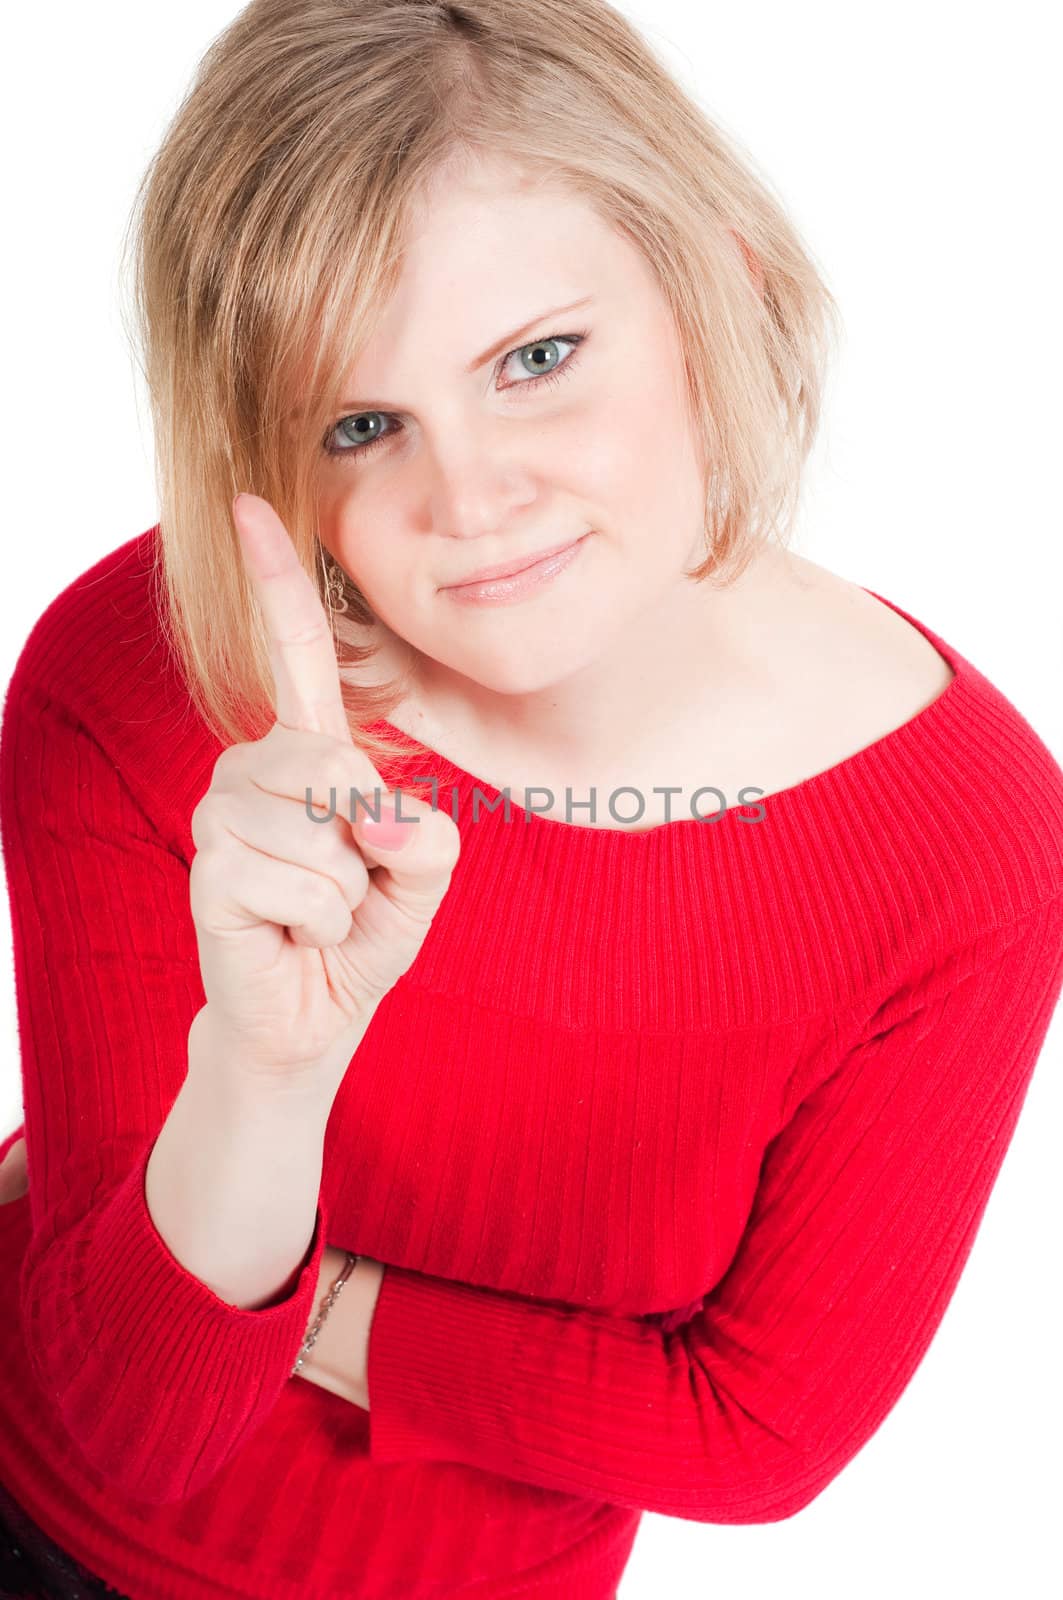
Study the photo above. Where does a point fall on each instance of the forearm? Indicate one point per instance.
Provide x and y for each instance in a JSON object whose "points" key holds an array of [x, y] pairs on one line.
{"points": [[233, 1179]]}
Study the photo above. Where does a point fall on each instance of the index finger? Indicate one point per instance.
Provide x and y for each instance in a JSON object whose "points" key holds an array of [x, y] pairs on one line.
{"points": [[306, 675]]}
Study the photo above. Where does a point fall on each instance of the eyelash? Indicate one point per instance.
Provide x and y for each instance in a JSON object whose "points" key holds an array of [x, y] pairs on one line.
{"points": [[554, 376]]}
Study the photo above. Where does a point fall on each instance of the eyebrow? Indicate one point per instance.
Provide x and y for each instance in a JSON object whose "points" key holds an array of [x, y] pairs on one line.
{"points": [[485, 356]]}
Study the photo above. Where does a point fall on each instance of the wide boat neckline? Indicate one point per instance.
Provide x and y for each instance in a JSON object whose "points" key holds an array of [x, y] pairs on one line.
{"points": [[870, 761]]}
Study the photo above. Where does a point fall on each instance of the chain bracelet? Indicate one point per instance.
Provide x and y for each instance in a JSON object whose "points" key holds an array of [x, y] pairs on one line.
{"points": [[326, 1306]]}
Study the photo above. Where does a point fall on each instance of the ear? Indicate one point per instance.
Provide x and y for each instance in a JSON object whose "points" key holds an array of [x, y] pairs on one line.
{"points": [[756, 270]]}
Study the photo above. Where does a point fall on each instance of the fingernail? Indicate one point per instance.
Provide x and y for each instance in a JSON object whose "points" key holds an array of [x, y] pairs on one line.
{"points": [[388, 833]]}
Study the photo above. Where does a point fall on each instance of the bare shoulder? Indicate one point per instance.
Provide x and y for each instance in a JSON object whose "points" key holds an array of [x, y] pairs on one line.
{"points": [[893, 664]]}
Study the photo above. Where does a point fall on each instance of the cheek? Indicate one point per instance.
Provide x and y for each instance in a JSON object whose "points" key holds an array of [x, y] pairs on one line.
{"points": [[626, 450], [357, 524], [594, 448]]}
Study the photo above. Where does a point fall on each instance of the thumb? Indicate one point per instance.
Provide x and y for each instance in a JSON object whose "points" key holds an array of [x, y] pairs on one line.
{"points": [[391, 831], [416, 846]]}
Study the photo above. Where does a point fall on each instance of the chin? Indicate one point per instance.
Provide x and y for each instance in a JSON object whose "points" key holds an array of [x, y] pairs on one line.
{"points": [[516, 678]]}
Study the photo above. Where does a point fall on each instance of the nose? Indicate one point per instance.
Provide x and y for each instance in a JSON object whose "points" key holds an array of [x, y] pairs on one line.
{"points": [[475, 483]]}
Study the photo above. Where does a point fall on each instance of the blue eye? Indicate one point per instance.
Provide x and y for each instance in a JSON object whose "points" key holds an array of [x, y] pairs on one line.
{"points": [[361, 440]]}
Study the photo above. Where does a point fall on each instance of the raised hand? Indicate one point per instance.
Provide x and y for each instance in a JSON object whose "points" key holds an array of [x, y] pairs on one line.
{"points": [[302, 924]]}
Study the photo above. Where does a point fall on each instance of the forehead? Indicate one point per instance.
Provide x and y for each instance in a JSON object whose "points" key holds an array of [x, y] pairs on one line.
{"points": [[487, 218], [488, 246]]}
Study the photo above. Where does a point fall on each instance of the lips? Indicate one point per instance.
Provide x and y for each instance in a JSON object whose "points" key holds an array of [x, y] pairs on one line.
{"points": [[509, 568]]}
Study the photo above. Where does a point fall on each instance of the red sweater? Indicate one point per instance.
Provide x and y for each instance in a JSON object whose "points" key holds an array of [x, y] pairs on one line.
{"points": [[673, 1145]]}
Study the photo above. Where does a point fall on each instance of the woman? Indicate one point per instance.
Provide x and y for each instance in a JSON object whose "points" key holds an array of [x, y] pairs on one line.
{"points": [[407, 1221]]}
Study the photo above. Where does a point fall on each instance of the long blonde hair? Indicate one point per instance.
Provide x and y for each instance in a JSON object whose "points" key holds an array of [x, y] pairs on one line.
{"points": [[268, 231]]}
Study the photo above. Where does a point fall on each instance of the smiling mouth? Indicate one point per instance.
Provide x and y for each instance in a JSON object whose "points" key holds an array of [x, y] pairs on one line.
{"points": [[510, 569]]}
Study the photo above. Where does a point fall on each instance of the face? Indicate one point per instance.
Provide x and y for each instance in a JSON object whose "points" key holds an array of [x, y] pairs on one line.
{"points": [[446, 462]]}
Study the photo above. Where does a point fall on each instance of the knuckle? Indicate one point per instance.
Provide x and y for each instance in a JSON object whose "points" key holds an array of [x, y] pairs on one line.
{"points": [[311, 632], [321, 893], [230, 763], [447, 841], [353, 878], [200, 880], [443, 848], [200, 823], [282, 743], [334, 768], [204, 866], [355, 769], [207, 820]]}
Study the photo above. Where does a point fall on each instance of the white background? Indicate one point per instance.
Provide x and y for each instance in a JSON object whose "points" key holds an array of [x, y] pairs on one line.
{"points": [[917, 149]]}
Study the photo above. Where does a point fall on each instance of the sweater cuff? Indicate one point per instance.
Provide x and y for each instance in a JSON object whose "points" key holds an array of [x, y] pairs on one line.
{"points": [[443, 1370], [128, 1251]]}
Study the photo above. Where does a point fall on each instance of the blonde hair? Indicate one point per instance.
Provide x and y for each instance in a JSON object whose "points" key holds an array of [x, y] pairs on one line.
{"points": [[268, 232]]}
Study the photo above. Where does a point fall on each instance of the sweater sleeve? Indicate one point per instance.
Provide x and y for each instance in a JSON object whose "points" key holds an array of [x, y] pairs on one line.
{"points": [[156, 1379], [867, 1205]]}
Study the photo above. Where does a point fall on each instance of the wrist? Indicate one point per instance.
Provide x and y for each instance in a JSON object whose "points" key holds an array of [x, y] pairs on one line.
{"points": [[338, 1358], [332, 1263], [214, 1052]]}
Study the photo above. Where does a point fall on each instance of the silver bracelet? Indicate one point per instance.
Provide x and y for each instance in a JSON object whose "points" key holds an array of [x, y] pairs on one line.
{"points": [[326, 1306]]}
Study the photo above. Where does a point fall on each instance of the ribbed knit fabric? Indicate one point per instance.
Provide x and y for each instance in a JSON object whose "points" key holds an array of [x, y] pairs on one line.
{"points": [[673, 1144]]}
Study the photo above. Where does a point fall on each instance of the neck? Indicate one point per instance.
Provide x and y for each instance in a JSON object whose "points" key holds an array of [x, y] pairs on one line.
{"points": [[700, 646]]}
